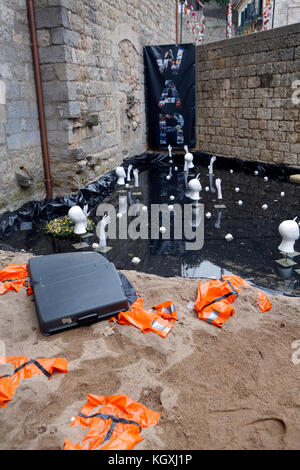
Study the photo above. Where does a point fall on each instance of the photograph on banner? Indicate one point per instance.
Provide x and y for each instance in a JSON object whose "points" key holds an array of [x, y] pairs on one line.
{"points": [[170, 95]]}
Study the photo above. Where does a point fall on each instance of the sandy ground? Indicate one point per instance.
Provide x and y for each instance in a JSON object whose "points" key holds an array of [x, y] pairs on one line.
{"points": [[230, 388]]}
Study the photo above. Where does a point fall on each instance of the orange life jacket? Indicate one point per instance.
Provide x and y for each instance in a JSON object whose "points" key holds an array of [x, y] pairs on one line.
{"points": [[167, 311], [215, 298], [115, 426], [14, 271], [26, 368], [13, 277], [147, 321]]}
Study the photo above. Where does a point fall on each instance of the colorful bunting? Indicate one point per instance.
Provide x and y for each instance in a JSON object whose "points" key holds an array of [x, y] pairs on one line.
{"points": [[196, 27], [268, 9], [229, 19]]}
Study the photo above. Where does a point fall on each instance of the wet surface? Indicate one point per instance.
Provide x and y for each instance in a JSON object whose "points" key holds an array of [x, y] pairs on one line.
{"points": [[251, 254]]}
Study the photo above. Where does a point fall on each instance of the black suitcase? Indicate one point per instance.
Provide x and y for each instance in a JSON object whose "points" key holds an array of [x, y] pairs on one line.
{"points": [[75, 289]]}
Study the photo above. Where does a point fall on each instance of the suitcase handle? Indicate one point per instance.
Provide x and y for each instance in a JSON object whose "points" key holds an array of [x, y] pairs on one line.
{"points": [[88, 319]]}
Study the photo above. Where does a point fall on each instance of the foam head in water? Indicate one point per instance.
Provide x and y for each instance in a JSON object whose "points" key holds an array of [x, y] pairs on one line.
{"points": [[194, 188], [188, 159], [289, 231]]}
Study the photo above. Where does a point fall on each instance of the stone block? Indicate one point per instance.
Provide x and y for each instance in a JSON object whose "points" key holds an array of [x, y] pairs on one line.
{"points": [[43, 36], [55, 91], [23, 140], [24, 179], [52, 17], [70, 110], [18, 109], [92, 119], [264, 113], [78, 153], [52, 54], [295, 148], [65, 36]]}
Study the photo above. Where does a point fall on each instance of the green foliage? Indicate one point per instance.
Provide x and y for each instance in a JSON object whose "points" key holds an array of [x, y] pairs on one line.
{"points": [[63, 227]]}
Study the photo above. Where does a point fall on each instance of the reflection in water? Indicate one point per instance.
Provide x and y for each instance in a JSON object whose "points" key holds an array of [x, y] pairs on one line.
{"points": [[251, 254], [218, 222], [211, 184]]}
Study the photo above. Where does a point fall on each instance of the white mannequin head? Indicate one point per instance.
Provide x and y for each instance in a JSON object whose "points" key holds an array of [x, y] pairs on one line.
{"points": [[120, 172], [188, 161], [289, 230], [79, 218], [194, 188]]}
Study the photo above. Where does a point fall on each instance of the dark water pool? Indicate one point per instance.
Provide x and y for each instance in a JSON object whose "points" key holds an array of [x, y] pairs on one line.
{"points": [[251, 254]]}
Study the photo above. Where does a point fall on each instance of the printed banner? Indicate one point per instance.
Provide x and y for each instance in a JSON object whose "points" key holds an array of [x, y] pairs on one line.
{"points": [[170, 95]]}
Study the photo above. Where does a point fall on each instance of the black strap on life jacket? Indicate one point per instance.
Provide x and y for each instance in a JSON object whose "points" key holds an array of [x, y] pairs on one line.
{"points": [[233, 292], [32, 361], [115, 421]]}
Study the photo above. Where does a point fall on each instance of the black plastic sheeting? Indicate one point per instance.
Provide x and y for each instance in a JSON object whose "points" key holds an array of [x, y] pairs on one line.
{"points": [[128, 288], [40, 212], [94, 193]]}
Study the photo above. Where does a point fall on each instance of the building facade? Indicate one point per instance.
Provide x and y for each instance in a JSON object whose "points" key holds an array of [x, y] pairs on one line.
{"points": [[251, 18]]}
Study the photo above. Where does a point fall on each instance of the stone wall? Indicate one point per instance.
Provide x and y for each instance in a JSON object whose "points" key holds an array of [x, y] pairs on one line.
{"points": [[21, 168], [91, 54], [244, 96]]}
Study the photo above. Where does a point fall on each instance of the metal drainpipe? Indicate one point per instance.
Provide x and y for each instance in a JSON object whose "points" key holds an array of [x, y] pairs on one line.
{"points": [[273, 16], [177, 23], [39, 95]]}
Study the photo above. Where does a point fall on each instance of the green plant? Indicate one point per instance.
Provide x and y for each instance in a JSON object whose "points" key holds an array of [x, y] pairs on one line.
{"points": [[63, 227]]}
